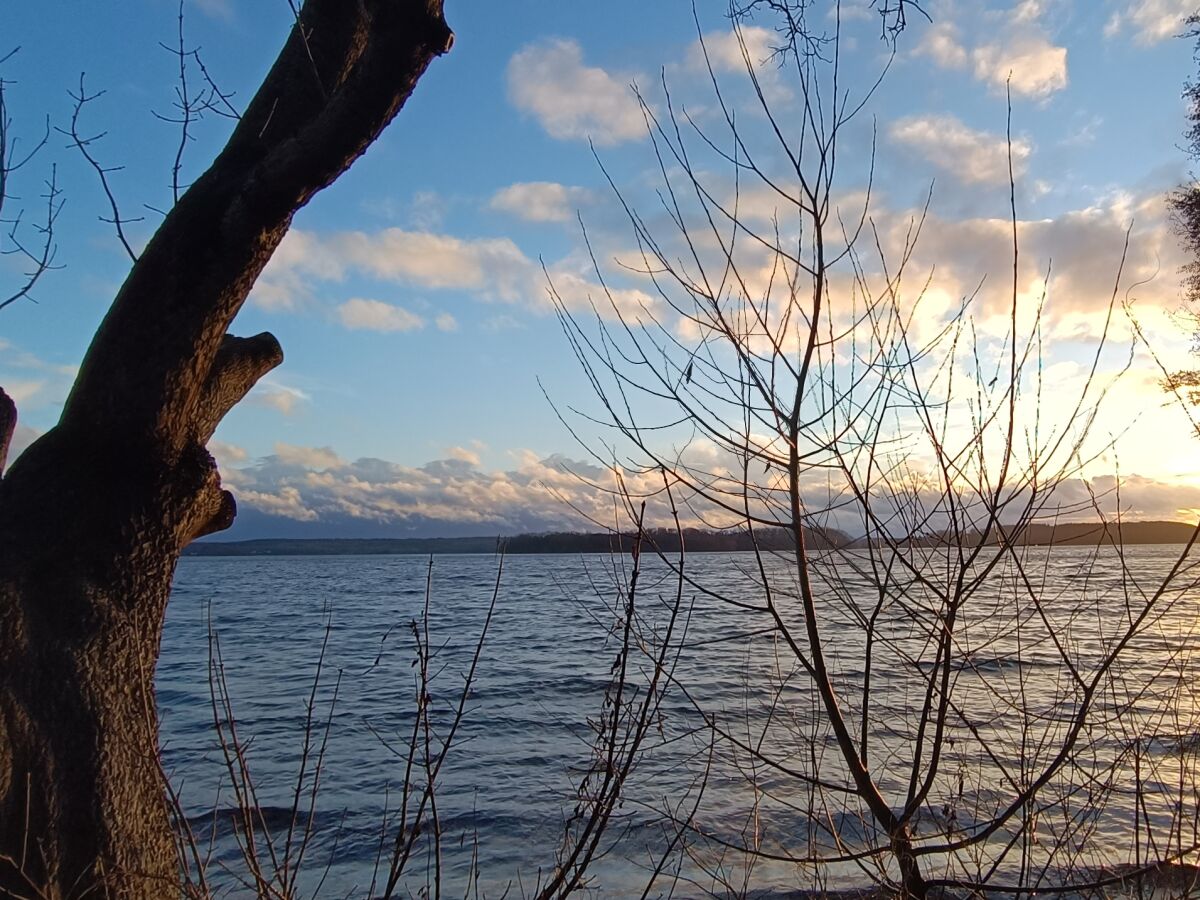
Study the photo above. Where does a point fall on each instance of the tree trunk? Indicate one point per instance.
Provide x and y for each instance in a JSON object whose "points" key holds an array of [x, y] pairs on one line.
{"points": [[94, 514], [912, 882]]}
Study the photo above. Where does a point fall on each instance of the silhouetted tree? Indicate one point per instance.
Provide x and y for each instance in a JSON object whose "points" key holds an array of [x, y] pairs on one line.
{"points": [[1185, 202]]}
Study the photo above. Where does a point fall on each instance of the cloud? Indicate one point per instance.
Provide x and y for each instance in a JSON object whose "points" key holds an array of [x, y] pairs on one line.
{"points": [[852, 12], [941, 44], [973, 157], [1151, 21], [285, 285], [492, 269], [333, 497], [1029, 10], [286, 503], [1031, 65], [23, 392], [227, 454], [375, 315], [453, 494], [446, 322], [462, 454], [570, 100], [1037, 68], [540, 201], [1082, 246], [431, 260], [217, 9], [32, 382], [279, 397], [307, 457], [427, 210], [1142, 497], [724, 50], [315, 485]]}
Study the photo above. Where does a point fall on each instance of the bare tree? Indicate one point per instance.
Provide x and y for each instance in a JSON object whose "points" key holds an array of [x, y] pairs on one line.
{"points": [[935, 706], [94, 514], [1185, 202]]}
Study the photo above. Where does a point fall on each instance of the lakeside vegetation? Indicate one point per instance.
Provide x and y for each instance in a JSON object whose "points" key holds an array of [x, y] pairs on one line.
{"points": [[1067, 534]]}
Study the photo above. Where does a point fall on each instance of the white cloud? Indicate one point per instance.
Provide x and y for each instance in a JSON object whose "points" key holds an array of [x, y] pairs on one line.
{"points": [[446, 322], [570, 100], [491, 265], [941, 44], [1151, 21], [540, 201], [490, 268], [1029, 10], [1036, 67], [280, 397], [22, 392], [464, 455], [375, 315], [227, 454], [307, 457], [286, 502], [725, 51], [749, 48], [973, 157], [315, 485], [285, 283], [543, 494], [575, 291], [1083, 245]]}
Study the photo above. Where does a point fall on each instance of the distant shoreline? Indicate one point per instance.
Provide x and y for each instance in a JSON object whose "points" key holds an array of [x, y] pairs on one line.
{"points": [[1065, 534]]}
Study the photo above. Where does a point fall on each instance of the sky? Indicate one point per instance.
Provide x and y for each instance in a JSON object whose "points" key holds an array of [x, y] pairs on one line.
{"points": [[427, 377]]}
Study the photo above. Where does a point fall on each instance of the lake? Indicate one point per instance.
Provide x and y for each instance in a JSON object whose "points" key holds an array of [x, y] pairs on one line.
{"points": [[509, 786]]}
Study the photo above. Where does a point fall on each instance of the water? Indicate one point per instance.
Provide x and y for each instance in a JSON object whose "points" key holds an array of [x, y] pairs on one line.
{"points": [[738, 732]]}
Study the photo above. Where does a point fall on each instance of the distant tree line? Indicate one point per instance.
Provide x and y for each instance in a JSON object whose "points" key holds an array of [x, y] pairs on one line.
{"points": [[668, 541], [694, 540], [1064, 534]]}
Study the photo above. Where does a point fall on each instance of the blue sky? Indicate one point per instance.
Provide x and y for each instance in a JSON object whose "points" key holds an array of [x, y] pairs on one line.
{"points": [[411, 300]]}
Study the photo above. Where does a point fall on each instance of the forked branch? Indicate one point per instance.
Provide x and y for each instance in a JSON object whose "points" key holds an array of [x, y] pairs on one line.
{"points": [[40, 249], [239, 364]]}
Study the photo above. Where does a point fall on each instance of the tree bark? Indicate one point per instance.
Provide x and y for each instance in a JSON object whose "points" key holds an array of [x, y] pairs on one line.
{"points": [[94, 514]]}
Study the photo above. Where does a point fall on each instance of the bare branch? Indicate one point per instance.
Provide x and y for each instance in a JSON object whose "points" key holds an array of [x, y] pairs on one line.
{"points": [[84, 145], [40, 255]]}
